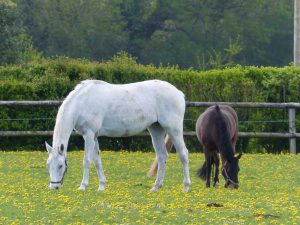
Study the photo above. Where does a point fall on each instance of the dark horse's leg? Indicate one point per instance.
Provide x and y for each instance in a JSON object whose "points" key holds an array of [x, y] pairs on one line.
{"points": [[211, 157], [217, 163], [209, 160]]}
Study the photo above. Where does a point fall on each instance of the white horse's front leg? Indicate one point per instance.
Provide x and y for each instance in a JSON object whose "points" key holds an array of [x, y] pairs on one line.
{"points": [[89, 145], [98, 165]]}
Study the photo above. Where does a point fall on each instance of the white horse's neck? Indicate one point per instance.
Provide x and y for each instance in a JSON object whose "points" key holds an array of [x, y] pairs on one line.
{"points": [[64, 124], [63, 129]]}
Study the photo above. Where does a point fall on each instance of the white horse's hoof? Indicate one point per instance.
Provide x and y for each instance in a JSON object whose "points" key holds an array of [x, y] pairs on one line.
{"points": [[101, 188], [186, 188], [154, 189], [216, 185], [82, 188]]}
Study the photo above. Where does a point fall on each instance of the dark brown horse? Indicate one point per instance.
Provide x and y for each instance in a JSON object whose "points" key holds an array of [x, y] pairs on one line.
{"points": [[217, 129]]}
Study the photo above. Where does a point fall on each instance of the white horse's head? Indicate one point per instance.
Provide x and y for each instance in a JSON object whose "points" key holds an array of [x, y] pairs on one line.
{"points": [[57, 166]]}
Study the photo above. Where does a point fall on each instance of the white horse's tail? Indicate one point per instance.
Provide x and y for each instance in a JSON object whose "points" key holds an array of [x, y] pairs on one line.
{"points": [[154, 166]]}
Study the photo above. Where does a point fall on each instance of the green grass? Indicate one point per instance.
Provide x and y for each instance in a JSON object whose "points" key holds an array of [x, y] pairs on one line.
{"points": [[269, 192]]}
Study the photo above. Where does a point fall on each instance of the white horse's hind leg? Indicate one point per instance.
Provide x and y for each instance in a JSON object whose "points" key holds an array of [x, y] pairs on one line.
{"points": [[177, 139], [89, 145], [98, 165], [157, 135], [154, 166]]}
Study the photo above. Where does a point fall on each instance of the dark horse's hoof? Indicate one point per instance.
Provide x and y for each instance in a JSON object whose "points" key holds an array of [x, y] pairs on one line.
{"points": [[216, 184]]}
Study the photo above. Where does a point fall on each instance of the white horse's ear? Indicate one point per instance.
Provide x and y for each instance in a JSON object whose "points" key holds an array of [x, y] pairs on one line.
{"points": [[48, 147]]}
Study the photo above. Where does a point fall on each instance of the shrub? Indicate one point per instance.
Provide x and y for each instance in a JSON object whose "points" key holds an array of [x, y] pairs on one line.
{"points": [[54, 78]]}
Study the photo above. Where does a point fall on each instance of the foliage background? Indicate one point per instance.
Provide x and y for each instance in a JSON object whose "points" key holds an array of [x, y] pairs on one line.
{"points": [[55, 78], [202, 34], [226, 40]]}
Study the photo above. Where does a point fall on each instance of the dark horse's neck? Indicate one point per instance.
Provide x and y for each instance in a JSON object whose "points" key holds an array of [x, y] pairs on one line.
{"points": [[225, 146]]}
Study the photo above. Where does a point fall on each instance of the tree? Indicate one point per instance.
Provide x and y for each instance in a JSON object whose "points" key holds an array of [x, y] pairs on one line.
{"points": [[89, 29], [15, 44], [194, 33], [296, 33], [209, 34]]}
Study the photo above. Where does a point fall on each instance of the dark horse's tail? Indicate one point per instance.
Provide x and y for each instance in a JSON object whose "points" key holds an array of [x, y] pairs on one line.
{"points": [[225, 146], [202, 171]]}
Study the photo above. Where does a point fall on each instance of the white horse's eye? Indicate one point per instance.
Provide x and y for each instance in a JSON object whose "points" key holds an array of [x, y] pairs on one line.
{"points": [[60, 166]]}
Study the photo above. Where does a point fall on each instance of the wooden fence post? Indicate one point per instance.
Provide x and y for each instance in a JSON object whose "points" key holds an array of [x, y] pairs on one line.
{"points": [[292, 130]]}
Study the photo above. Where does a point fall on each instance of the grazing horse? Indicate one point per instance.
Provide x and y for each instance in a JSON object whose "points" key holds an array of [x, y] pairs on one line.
{"points": [[217, 129], [96, 108]]}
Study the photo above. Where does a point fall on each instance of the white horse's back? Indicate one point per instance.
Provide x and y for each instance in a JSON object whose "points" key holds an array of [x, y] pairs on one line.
{"points": [[123, 110]]}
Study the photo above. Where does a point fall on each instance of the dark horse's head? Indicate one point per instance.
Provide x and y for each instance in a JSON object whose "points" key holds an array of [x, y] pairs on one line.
{"points": [[230, 172]]}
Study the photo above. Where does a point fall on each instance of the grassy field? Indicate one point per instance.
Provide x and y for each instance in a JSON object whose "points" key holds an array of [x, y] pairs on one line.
{"points": [[269, 192]]}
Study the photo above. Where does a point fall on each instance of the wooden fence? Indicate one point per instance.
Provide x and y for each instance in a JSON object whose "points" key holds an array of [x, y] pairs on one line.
{"points": [[291, 107]]}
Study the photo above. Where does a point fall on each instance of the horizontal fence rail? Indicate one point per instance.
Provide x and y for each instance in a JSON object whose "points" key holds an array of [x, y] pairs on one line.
{"points": [[188, 104], [186, 133], [245, 104], [292, 135], [30, 103]]}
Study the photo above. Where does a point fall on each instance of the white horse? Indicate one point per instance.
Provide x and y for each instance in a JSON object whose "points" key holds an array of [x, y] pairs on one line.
{"points": [[96, 108]]}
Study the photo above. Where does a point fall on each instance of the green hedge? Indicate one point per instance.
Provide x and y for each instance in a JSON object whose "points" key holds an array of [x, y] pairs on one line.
{"points": [[55, 78]]}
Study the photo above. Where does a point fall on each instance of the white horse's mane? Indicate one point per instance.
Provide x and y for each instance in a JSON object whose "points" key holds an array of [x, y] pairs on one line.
{"points": [[79, 89], [81, 86]]}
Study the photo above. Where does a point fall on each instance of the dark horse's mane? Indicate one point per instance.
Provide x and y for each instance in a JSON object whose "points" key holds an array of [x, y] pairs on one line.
{"points": [[224, 145]]}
